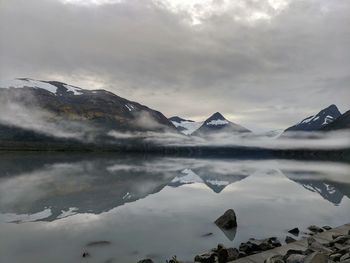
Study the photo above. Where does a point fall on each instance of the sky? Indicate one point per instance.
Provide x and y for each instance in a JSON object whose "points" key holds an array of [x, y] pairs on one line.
{"points": [[265, 64]]}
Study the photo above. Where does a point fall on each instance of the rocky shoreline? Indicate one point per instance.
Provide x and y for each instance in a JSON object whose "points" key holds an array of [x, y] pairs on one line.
{"points": [[336, 249]]}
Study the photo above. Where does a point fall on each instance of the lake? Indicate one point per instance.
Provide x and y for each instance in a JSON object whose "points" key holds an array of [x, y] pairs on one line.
{"points": [[53, 206]]}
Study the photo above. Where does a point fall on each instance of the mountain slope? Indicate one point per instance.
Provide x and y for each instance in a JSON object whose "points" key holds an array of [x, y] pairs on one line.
{"points": [[342, 122], [185, 126], [217, 123], [315, 122], [37, 105]]}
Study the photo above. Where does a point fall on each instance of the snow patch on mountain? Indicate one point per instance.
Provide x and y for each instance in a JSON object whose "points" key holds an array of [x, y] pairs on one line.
{"points": [[38, 84], [75, 90], [31, 83], [217, 122], [189, 177]]}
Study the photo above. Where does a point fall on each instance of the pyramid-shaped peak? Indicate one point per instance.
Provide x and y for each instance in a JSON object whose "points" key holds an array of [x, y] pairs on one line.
{"points": [[216, 116]]}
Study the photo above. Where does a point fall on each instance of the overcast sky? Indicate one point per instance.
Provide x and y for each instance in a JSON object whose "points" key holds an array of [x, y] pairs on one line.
{"points": [[264, 64]]}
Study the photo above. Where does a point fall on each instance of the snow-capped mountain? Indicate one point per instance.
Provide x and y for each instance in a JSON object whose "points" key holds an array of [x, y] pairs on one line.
{"points": [[216, 182], [316, 122], [217, 123], [342, 122], [100, 109], [187, 127]]}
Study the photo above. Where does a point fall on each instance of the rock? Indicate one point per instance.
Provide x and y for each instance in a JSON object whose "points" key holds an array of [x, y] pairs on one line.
{"points": [[274, 242], [256, 244], [345, 257], [205, 258], [219, 247], [228, 220], [295, 258], [222, 255], [289, 239], [340, 239], [339, 246], [295, 231], [246, 248], [232, 253], [274, 259], [316, 257], [315, 229], [293, 251], [335, 257], [327, 227], [317, 246], [85, 254], [147, 260]]}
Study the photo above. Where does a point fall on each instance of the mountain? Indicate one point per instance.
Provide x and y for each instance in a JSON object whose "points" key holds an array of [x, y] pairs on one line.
{"points": [[185, 126], [342, 122], [217, 123], [215, 181], [329, 190], [61, 110], [316, 122]]}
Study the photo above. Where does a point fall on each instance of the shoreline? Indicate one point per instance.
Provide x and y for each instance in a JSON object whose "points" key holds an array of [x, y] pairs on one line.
{"points": [[320, 245]]}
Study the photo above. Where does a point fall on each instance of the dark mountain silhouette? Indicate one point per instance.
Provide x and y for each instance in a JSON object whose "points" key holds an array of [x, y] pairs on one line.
{"points": [[217, 123], [342, 122], [316, 122]]}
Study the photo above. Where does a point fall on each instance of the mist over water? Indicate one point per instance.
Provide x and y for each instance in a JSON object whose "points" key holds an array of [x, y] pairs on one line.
{"points": [[52, 206]]}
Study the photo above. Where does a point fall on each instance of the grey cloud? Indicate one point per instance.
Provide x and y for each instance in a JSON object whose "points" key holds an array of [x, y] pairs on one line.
{"points": [[298, 61]]}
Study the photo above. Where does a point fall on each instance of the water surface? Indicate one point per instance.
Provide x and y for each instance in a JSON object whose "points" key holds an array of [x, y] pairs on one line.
{"points": [[52, 206]]}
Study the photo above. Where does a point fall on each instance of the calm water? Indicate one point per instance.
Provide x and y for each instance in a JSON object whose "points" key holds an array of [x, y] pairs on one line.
{"points": [[52, 206]]}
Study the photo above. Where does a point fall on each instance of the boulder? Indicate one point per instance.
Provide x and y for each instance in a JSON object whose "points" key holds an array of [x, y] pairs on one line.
{"points": [[340, 239], [226, 254], [315, 229], [289, 239], [228, 220], [246, 248], [317, 246], [345, 257], [327, 227], [205, 258], [222, 255], [295, 258], [232, 254], [293, 252], [295, 231], [316, 257], [274, 242], [274, 259], [335, 257]]}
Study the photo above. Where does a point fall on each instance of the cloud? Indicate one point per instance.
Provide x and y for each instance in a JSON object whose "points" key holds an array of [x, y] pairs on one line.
{"points": [[284, 59], [22, 113]]}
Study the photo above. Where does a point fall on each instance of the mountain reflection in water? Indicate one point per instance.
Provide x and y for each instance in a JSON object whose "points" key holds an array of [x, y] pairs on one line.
{"points": [[128, 199]]}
